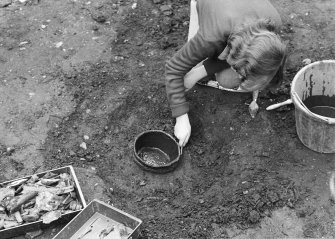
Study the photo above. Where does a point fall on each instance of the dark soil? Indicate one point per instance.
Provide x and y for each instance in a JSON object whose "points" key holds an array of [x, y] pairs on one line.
{"points": [[239, 177]]}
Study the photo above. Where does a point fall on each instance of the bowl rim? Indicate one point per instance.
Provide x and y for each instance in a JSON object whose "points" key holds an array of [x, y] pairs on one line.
{"points": [[158, 166]]}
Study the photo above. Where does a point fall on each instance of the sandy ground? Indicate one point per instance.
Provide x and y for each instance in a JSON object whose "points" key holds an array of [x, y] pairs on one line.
{"points": [[73, 68]]}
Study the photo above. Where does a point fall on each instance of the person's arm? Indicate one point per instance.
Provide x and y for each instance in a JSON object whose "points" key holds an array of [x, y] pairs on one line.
{"points": [[209, 67], [193, 52]]}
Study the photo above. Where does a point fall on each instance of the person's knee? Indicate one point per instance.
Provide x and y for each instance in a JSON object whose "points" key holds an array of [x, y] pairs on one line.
{"points": [[228, 78]]}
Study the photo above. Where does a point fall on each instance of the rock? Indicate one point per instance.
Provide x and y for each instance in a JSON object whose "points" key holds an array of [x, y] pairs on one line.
{"points": [[33, 234], [143, 183], [254, 216], [166, 9], [72, 153], [10, 151], [273, 196], [200, 151], [5, 3], [83, 145], [98, 16], [58, 44], [306, 61]]}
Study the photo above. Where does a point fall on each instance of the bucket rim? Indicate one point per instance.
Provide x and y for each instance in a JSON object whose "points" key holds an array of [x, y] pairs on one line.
{"points": [[171, 163], [297, 100]]}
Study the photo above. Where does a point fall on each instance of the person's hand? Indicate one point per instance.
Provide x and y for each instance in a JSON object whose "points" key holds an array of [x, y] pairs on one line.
{"points": [[253, 108], [182, 129]]}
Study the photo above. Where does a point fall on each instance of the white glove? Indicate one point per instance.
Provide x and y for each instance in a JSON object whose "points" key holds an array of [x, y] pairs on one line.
{"points": [[253, 109], [182, 129]]}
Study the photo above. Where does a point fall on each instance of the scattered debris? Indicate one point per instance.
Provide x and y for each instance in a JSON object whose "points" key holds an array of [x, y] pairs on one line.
{"points": [[254, 216], [83, 145], [24, 43], [10, 150], [59, 44], [5, 3], [33, 234], [51, 216], [166, 9], [98, 17], [37, 198], [307, 61], [72, 153]]}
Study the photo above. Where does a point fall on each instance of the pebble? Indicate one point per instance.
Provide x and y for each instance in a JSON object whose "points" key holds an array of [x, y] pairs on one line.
{"points": [[254, 216], [72, 153], [5, 3], [58, 44], [307, 61], [99, 18], [86, 137], [166, 9], [33, 234], [83, 145]]}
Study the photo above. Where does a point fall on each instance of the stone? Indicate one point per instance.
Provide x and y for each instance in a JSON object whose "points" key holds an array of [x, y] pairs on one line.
{"points": [[5, 3], [33, 234], [164, 8], [254, 216]]}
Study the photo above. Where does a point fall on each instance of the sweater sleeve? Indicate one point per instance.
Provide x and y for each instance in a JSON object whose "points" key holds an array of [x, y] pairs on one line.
{"points": [[193, 52]]}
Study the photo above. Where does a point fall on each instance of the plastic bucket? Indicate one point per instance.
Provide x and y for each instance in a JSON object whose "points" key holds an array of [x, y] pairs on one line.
{"points": [[151, 142], [315, 131]]}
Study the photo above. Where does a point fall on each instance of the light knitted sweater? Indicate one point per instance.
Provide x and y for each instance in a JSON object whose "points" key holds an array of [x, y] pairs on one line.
{"points": [[217, 19]]}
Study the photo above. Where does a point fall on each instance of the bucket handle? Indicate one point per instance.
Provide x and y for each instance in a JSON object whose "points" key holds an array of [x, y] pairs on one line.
{"points": [[325, 119]]}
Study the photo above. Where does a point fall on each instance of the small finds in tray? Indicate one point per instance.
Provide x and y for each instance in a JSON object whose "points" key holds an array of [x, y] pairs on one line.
{"points": [[37, 198], [101, 221], [102, 227]]}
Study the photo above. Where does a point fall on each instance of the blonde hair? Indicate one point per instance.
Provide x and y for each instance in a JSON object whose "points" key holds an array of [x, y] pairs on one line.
{"points": [[257, 53]]}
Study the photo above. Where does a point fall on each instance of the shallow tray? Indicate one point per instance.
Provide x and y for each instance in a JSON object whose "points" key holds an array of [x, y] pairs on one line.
{"points": [[34, 226], [99, 216]]}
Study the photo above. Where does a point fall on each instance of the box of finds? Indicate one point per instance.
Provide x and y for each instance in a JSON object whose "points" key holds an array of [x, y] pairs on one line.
{"points": [[102, 221], [38, 201]]}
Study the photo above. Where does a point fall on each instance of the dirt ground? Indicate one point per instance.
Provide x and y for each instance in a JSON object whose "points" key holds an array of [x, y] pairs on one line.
{"points": [[75, 68]]}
